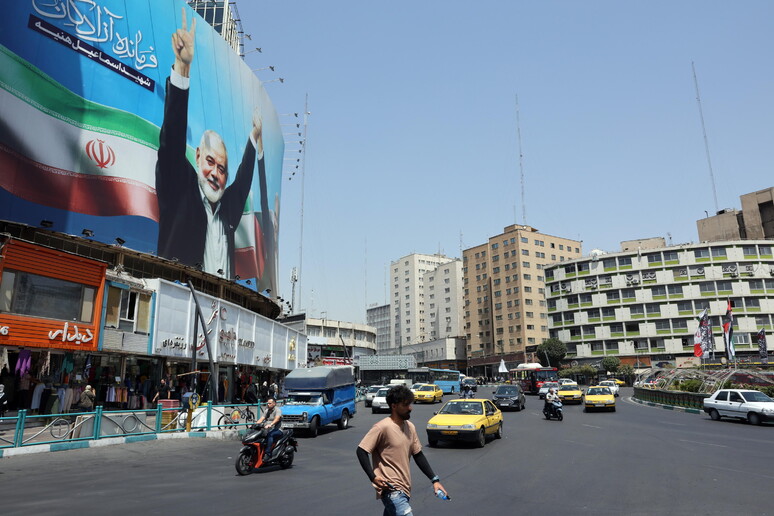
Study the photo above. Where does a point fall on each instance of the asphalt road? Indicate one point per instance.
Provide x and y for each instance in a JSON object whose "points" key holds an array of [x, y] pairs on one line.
{"points": [[637, 460]]}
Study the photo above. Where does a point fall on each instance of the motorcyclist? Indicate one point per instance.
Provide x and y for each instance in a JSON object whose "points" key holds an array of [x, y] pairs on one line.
{"points": [[271, 421], [466, 391], [551, 397]]}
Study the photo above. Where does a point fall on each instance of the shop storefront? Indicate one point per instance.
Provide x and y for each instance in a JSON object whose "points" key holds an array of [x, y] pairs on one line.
{"points": [[246, 347], [49, 326]]}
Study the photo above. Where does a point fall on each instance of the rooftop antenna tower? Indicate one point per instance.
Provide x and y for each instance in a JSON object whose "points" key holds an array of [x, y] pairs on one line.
{"points": [[521, 163], [706, 143]]}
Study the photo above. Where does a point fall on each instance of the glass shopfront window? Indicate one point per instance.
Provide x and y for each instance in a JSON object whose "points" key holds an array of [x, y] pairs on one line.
{"points": [[29, 294]]}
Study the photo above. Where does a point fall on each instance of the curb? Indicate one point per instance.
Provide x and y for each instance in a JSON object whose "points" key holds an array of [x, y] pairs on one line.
{"points": [[666, 407], [222, 435]]}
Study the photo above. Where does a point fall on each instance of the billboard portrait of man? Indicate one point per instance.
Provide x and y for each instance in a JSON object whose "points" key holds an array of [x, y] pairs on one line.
{"points": [[198, 213]]}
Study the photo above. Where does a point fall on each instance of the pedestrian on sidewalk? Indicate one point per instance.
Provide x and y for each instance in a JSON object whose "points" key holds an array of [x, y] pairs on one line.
{"points": [[3, 400], [391, 442], [162, 391], [86, 403]]}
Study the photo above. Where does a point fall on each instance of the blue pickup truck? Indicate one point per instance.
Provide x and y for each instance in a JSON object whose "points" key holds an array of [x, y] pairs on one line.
{"points": [[318, 396]]}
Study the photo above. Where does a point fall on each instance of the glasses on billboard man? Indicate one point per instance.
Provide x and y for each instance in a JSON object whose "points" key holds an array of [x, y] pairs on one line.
{"points": [[198, 214], [391, 442]]}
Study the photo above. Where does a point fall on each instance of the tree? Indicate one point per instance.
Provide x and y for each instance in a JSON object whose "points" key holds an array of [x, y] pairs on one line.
{"points": [[626, 370], [553, 350], [611, 364]]}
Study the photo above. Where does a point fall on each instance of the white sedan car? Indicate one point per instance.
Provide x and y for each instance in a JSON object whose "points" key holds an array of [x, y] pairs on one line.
{"points": [[754, 406], [379, 403], [610, 384]]}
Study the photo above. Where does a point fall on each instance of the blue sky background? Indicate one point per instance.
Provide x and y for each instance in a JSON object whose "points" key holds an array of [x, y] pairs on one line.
{"points": [[413, 143]]}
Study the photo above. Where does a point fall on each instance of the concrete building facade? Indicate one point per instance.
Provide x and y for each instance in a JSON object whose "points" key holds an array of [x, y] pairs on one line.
{"points": [[408, 296], [379, 317], [754, 221], [642, 306], [504, 295]]}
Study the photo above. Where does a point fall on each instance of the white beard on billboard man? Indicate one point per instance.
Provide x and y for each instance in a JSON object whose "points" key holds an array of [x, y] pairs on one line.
{"points": [[198, 214]]}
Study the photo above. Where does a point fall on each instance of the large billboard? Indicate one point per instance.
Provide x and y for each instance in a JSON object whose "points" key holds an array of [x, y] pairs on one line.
{"points": [[135, 120]]}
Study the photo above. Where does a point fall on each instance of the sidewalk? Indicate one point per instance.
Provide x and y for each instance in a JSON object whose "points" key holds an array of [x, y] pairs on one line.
{"points": [[223, 435]]}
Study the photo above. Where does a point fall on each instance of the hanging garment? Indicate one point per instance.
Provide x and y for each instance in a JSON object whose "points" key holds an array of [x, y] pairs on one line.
{"points": [[45, 363], [68, 364], [4, 359], [24, 363], [36, 394]]}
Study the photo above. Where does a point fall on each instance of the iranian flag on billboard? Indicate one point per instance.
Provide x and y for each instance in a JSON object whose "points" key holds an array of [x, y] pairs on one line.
{"points": [[135, 119]]}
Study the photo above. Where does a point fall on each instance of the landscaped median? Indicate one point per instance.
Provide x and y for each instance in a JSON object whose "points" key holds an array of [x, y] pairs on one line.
{"points": [[689, 401]]}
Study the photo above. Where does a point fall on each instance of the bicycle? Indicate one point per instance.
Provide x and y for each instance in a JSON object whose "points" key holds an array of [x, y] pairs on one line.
{"points": [[235, 416]]}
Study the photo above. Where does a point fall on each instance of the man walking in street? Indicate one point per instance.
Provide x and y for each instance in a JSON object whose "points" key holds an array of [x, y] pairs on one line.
{"points": [[392, 441]]}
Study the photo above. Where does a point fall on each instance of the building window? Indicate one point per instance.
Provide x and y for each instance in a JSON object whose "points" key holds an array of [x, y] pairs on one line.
{"points": [[29, 294], [128, 310]]}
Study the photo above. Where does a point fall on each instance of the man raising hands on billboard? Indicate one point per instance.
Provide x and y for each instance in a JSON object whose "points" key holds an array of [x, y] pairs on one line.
{"points": [[198, 214]]}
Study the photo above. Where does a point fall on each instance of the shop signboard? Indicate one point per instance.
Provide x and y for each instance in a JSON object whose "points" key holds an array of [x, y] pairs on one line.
{"points": [[237, 336], [49, 307], [119, 130]]}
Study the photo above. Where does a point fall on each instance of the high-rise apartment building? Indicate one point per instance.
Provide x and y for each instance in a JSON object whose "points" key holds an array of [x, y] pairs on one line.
{"points": [[504, 295], [223, 17], [443, 301], [409, 296], [379, 317]]}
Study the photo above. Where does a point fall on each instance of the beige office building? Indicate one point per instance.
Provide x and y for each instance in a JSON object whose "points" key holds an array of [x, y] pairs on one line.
{"points": [[754, 222], [504, 295]]}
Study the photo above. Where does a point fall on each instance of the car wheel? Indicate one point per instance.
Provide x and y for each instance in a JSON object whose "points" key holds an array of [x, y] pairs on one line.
{"points": [[481, 438], [518, 406], [344, 421], [754, 418], [499, 433], [314, 426], [715, 415]]}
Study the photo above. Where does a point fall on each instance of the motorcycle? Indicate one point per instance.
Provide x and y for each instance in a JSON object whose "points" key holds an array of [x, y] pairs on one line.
{"points": [[554, 410], [253, 446]]}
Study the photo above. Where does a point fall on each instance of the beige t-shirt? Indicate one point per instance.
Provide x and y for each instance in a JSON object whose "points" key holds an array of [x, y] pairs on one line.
{"points": [[391, 448]]}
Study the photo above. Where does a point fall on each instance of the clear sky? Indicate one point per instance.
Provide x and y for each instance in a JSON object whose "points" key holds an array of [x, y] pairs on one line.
{"points": [[412, 137]]}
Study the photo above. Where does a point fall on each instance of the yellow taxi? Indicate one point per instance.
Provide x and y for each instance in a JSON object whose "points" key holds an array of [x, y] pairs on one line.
{"points": [[570, 393], [471, 420], [618, 381], [598, 397], [427, 393]]}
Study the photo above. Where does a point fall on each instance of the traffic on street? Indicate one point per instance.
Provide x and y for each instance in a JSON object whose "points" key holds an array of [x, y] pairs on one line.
{"points": [[637, 460]]}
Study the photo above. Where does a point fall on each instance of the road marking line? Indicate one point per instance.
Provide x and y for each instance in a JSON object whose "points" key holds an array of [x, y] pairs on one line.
{"points": [[592, 426], [705, 444], [670, 423], [738, 471]]}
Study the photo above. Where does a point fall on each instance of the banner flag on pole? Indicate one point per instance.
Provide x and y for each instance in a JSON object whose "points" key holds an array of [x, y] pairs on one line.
{"points": [[698, 338], [702, 339], [762, 350], [728, 332]]}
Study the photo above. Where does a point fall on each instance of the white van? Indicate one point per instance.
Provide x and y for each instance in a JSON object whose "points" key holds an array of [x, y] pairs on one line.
{"points": [[401, 381]]}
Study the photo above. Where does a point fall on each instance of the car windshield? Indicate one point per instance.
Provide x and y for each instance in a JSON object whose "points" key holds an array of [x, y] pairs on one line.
{"points": [[568, 388], [550, 385], [416, 386], [755, 396], [427, 388], [462, 407], [303, 399], [507, 391], [598, 391], [374, 388], [607, 383], [382, 393], [469, 381]]}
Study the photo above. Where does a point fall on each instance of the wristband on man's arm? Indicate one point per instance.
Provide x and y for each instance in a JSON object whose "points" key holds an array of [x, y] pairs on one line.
{"points": [[435, 479]]}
